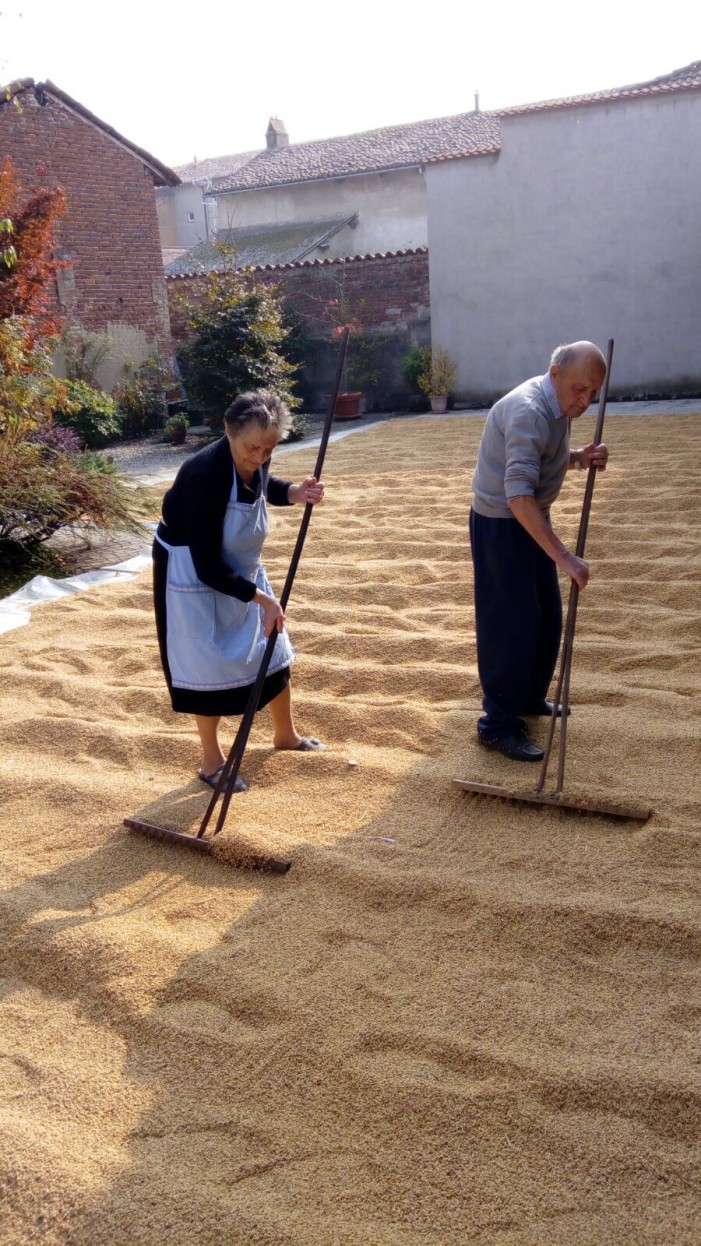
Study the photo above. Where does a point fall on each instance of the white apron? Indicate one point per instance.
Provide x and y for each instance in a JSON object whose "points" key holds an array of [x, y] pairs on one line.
{"points": [[216, 642]]}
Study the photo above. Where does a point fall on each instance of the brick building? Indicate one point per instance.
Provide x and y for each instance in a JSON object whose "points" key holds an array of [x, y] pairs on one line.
{"points": [[110, 235]]}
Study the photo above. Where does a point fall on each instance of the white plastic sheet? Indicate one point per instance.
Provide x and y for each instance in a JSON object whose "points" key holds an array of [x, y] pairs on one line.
{"points": [[15, 609]]}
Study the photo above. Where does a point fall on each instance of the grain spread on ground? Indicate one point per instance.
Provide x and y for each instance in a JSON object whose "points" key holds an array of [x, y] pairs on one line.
{"points": [[455, 1019]]}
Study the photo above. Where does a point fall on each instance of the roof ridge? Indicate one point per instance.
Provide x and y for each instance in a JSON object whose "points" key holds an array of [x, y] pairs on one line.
{"points": [[368, 151], [385, 129], [664, 84], [163, 172], [412, 143]]}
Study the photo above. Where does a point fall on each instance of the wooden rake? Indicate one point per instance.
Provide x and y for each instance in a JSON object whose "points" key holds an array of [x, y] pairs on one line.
{"points": [[562, 694], [226, 784]]}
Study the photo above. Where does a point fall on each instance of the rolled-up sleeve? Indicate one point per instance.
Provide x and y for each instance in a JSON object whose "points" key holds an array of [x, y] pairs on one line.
{"points": [[526, 435]]}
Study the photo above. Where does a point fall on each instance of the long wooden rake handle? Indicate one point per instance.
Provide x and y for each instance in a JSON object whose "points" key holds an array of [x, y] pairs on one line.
{"points": [[562, 692], [229, 774]]}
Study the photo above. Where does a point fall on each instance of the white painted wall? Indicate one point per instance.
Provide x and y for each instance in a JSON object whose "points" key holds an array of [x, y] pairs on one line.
{"points": [[391, 209], [175, 205], [586, 225]]}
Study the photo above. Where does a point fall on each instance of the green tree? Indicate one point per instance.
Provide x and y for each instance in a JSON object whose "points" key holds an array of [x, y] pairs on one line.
{"points": [[238, 336]]}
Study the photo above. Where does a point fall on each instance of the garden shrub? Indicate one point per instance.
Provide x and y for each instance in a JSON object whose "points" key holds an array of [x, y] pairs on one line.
{"points": [[85, 353], [140, 410], [416, 363], [299, 426], [47, 481], [140, 396], [237, 345], [54, 436], [29, 391], [42, 490], [26, 280], [91, 413]]}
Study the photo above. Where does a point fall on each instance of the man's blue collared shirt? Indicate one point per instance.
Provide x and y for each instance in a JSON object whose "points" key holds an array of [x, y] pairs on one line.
{"points": [[551, 396]]}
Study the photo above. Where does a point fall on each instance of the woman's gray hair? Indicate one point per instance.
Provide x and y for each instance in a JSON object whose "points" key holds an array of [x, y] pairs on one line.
{"points": [[262, 407]]}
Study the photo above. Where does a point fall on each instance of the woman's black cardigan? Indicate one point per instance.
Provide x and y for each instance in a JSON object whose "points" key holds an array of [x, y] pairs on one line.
{"points": [[194, 509]]}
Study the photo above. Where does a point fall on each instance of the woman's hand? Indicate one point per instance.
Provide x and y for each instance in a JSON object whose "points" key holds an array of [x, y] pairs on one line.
{"points": [[310, 491], [273, 614]]}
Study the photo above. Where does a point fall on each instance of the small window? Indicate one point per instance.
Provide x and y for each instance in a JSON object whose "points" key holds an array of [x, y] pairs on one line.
{"points": [[191, 216]]}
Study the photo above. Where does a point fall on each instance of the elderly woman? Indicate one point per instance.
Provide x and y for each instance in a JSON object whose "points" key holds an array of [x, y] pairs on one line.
{"points": [[214, 604]]}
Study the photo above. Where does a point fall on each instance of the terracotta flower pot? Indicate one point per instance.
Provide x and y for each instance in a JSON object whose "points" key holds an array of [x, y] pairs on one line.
{"points": [[177, 436], [348, 405]]}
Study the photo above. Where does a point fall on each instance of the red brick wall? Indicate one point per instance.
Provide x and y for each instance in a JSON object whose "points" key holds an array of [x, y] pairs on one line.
{"points": [[385, 292], [110, 233], [391, 291], [387, 295]]}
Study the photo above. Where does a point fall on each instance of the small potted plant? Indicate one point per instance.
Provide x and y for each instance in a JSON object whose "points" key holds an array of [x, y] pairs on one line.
{"points": [[436, 380], [348, 405], [176, 427], [363, 370], [339, 312]]}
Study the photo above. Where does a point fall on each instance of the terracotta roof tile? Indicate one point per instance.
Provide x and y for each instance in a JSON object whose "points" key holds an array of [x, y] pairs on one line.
{"points": [[374, 255], [215, 168], [172, 253], [394, 147], [403, 146], [686, 79]]}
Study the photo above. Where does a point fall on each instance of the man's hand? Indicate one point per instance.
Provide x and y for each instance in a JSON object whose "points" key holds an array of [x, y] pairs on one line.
{"points": [[311, 491], [528, 513], [598, 455], [576, 568]]}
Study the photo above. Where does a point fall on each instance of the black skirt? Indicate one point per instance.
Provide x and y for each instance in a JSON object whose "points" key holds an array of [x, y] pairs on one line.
{"points": [[222, 701]]}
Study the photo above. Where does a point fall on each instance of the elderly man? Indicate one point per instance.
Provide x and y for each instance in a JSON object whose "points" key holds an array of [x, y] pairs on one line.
{"points": [[523, 457]]}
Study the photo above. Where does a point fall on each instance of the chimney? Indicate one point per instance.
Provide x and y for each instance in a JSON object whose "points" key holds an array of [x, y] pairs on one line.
{"points": [[276, 135], [477, 102]]}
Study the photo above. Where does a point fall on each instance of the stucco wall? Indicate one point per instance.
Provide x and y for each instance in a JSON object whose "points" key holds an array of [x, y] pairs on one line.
{"points": [[175, 205], [391, 209], [587, 225]]}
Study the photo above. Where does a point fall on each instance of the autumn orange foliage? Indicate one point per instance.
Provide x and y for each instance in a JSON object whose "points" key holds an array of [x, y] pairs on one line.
{"points": [[26, 284], [29, 324]]}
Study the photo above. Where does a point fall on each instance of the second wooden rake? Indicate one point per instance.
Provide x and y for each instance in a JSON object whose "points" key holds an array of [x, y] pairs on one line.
{"points": [[562, 693]]}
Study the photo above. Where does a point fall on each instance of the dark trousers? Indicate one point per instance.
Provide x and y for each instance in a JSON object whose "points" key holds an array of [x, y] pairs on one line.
{"points": [[518, 612]]}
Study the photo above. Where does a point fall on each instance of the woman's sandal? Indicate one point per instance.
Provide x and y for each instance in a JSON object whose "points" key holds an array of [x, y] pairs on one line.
{"points": [[309, 744], [212, 779]]}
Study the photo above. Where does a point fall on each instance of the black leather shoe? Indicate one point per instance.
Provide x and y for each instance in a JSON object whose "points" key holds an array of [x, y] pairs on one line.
{"points": [[517, 746], [545, 710]]}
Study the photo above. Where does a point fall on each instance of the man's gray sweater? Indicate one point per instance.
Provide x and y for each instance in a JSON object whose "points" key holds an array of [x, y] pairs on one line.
{"points": [[524, 450]]}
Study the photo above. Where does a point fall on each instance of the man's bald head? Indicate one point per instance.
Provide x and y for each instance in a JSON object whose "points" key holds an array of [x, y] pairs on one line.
{"points": [[577, 352], [577, 371]]}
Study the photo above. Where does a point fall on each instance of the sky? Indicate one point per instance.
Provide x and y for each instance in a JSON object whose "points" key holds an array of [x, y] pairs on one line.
{"points": [[186, 80]]}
